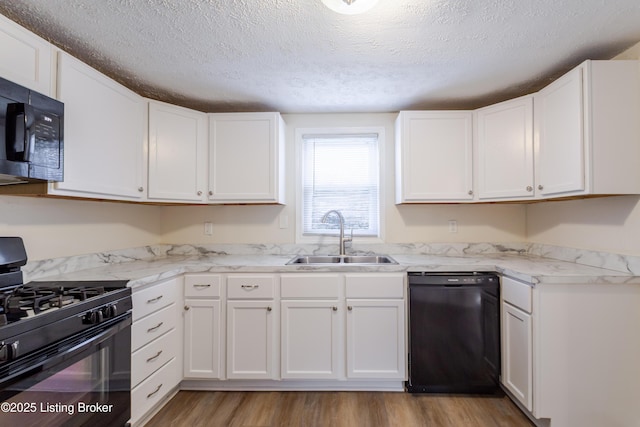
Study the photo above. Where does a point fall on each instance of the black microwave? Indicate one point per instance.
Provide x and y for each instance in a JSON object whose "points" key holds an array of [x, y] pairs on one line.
{"points": [[31, 135]]}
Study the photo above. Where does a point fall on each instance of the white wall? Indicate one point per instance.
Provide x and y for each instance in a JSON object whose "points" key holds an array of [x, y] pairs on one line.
{"points": [[54, 228], [609, 224], [403, 224]]}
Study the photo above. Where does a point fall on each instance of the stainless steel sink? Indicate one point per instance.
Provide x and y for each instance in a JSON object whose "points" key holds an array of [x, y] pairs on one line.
{"points": [[316, 259], [348, 259]]}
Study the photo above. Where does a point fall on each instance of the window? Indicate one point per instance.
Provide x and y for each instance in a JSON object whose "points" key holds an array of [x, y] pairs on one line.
{"points": [[340, 171]]}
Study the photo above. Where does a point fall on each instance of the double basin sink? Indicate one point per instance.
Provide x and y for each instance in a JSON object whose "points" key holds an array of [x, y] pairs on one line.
{"points": [[344, 259]]}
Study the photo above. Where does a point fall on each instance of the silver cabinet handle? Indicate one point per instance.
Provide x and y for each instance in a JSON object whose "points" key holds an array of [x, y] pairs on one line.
{"points": [[540, 187], [156, 299], [211, 193], [269, 308], [529, 188], [207, 285], [470, 192], [155, 391], [334, 308], [155, 327], [199, 193], [186, 308], [152, 358], [349, 308], [140, 189], [249, 286]]}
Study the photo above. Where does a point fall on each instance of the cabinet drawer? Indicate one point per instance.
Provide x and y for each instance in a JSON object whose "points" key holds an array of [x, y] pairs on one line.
{"points": [[202, 285], [151, 327], [152, 356], [517, 293], [151, 391], [250, 287], [325, 286], [375, 286], [154, 298]]}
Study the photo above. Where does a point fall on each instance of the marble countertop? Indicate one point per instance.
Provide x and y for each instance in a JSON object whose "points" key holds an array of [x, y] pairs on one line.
{"points": [[529, 268]]}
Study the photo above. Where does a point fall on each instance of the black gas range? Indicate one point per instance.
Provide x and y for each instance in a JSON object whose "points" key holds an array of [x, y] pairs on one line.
{"points": [[63, 345]]}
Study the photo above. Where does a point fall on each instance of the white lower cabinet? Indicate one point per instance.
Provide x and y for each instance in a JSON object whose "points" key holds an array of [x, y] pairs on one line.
{"points": [[376, 326], [251, 320], [517, 352], [156, 337], [312, 319]]}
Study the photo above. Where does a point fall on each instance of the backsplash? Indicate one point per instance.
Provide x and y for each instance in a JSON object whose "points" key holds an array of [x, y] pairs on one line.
{"points": [[35, 270]]}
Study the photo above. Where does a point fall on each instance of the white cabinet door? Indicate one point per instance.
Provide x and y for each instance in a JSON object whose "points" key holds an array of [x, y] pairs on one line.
{"points": [[375, 339], [505, 150], [250, 349], [311, 339], [177, 153], [561, 151], [202, 338], [105, 135], [517, 354], [25, 58], [246, 158], [434, 156]]}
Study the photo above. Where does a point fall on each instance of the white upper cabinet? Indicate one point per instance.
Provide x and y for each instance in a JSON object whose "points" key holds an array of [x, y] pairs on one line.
{"points": [[504, 141], [434, 156], [105, 135], [246, 158], [177, 153], [587, 131], [25, 58]]}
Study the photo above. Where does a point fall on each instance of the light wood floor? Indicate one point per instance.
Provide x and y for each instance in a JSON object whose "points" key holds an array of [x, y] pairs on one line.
{"points": [[336, 409]]}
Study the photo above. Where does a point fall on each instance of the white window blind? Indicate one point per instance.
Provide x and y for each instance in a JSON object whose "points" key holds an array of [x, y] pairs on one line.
{"points": [[341, 172]]}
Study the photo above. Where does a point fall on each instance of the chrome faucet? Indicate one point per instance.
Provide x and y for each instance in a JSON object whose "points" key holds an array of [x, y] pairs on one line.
{"points": [[343, 239]]}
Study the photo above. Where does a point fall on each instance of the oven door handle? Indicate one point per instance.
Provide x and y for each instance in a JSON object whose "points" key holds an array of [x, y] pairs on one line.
{"points": [[78, 345]]}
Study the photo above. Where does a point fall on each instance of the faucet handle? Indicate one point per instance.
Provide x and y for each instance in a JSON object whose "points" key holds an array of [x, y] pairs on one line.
{"points": [[350, 238]]}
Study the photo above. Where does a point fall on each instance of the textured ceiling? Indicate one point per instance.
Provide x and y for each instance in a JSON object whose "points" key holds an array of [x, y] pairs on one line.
{"points": [[298, 56]]}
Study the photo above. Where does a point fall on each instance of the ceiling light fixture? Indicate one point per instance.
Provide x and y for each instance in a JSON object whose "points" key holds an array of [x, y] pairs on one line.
{"points": [[350, 7]]}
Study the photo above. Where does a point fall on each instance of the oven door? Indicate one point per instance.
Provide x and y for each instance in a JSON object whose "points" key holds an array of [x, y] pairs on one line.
{"points": [[85, 380]]}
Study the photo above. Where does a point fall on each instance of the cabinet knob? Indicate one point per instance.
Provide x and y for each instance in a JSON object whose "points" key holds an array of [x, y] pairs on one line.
{"points": [[349, 308], [141, 189], [186, 308], [199, 193], [334, 308], [529, 188], [470, 192], [211, 193], [269, 308], [540, 187]]}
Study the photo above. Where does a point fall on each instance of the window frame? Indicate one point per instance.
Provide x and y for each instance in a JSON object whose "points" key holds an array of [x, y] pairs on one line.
{"points": [[299, 155]]}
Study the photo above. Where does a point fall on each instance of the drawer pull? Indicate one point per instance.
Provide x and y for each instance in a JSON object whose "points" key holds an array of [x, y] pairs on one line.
{"points": [[156, 299], [155, 391], [155, 327], [249, 286], [152, 358], [208, 285]]}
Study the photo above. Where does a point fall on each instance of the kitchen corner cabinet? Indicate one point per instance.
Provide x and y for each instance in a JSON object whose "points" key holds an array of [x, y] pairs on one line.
{"points": [[562, 357], [376, 326], [434, 156], [105, 135], [504, 149], [312, 320], [203, 326], [177, 153], [587, 131], [251, 320], [156, 337], [25, 58], [246, 158]]}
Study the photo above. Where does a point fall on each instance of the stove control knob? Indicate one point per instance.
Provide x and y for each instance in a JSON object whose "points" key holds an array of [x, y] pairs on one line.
{"points": [[94, 317], [113, 310]]}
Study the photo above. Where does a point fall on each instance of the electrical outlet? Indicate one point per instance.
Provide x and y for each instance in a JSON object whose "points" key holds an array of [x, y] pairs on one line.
{"points": [[208, 228], [453, 226]]}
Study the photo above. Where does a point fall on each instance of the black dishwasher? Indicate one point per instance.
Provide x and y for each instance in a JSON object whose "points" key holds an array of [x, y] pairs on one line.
{"points": [[454, 333]]}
